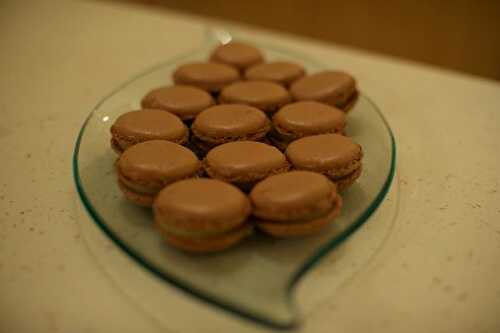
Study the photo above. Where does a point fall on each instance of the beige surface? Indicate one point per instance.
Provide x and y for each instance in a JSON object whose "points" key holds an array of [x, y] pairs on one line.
{"points": [[428, 260]]}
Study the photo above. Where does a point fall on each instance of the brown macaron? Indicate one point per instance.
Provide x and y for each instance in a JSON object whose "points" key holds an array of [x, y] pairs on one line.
{"points": [[208, 76], [229, 122], [237, 54], [202, 215], [183, 101], [139, 126], [267, 96], [244, 163], [295, 203], [331, 87], [300, 119], [281, 72], [334, 155], [145, 168]]}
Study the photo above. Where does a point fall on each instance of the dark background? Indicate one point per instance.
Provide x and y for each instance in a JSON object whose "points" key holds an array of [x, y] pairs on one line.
{"points": [[458, 34]]}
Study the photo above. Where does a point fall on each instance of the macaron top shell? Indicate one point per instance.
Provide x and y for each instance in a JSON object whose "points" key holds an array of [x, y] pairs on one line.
{"points": [[202, 205], [309, 118], [260, 94], [184, 101], [149, 124], [281, 72], [157, 161], [237, 54], [230, 120], [324, 86], [209, 76], [293, 195], [242, 159], [323, 152]]}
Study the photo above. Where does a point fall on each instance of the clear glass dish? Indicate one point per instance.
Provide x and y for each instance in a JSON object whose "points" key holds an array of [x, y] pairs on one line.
{"points": [[256, 279]]}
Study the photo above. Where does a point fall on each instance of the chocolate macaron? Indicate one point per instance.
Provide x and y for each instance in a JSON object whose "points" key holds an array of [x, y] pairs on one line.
{"points": [[208, 76], [331, 87], [147, 167], [183, 101], [244, 163], [300, 119], [229, 122], [295, 203], [237, 54], [281, 72], [334, 155], [202, 215], [138, 126], [267, 96]]}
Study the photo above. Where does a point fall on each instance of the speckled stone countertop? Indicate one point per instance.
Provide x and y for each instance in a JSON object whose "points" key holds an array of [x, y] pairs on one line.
{"points": [[427, 261]]}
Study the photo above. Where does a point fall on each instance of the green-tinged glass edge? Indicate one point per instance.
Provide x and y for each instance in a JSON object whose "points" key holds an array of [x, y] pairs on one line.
{"points": [[225, 305]]}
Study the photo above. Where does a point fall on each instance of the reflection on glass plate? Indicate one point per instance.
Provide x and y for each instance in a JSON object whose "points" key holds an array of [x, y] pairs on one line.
{"points": [[254, 280]]}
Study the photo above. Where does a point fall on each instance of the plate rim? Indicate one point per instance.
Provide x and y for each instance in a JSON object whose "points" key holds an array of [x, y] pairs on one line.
{"points": [[186, 287]]}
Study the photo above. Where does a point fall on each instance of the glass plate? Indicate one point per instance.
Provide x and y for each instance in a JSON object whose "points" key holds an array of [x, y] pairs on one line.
{"points": [[256, 279]]}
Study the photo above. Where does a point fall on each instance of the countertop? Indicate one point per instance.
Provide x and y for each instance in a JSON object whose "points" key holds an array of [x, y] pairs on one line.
{"points": [[432, 264]]}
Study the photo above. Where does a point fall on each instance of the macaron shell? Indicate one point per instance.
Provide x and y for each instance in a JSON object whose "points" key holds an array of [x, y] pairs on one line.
{"points": [[211, 77], [331, 87], [305, 118], [267, 96], [137, 126], [157, 162], [280, 72], [244, 161], [237, 54], [293, 195], [346, 181], [141, 199], [151, 188], [350, 102], [229, 122], [300, 229], [183, 101], [325, 152], [208, 244], [201, 205]]}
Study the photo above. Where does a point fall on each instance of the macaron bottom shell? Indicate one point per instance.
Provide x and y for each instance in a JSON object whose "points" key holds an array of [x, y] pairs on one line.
{"points": [[342, 179], [281, 140], [300, 228], [346, 181], [350, 102], [245, 182], [141, 199], [206, 143], [207, 244], [121, 143]]}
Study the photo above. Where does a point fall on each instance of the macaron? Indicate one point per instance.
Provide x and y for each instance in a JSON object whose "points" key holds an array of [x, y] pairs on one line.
{"points": [[183, 101], [237, 54], [334, 155], [138, 126], [244, 163], [208, 76], [267, 96], [331, 87], [145, 168], [300, 119], [202, 215], [295, 203], [281, 72], [229, 122]]}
